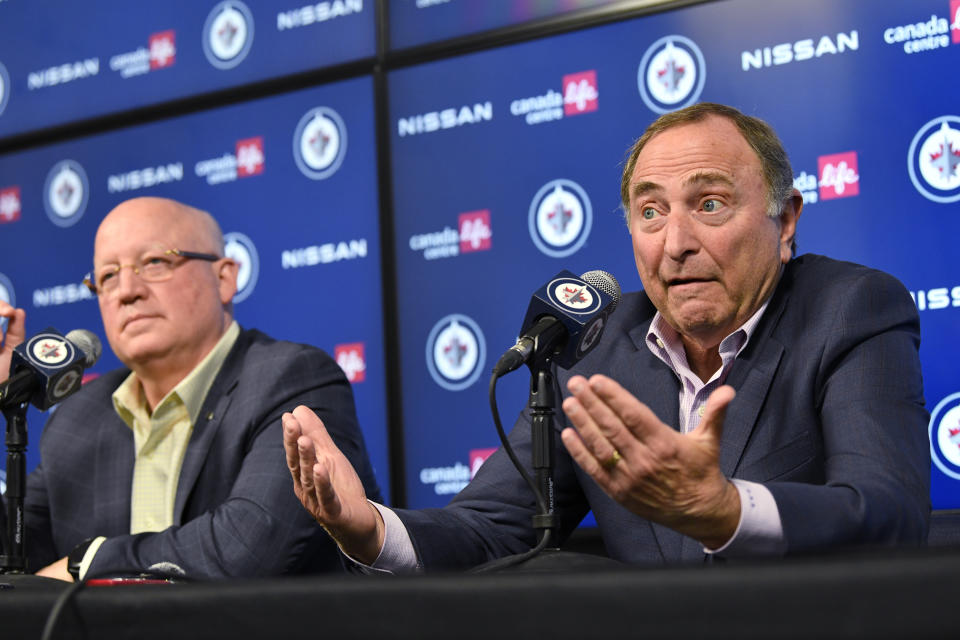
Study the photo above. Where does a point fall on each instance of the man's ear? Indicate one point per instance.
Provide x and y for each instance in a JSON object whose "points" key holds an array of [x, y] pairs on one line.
{"points": [[788, 226], [227, 271]]}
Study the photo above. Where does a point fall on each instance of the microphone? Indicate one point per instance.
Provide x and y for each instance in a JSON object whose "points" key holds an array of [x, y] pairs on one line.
{"points": [[49, 367], [565, 319]]}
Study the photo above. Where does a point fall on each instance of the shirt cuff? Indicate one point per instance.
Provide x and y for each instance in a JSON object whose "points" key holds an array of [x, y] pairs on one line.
{"points": [[397, 554], [760, 530], [88, 556]]}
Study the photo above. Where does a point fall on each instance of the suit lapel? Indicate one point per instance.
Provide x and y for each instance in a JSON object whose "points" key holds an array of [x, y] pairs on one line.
{"points": [[751, 376], [215, 407], [654, 382], [113, 472]]}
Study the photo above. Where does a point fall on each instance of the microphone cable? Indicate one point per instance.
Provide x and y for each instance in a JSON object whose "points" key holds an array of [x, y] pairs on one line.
{"points": [[516, 559]]}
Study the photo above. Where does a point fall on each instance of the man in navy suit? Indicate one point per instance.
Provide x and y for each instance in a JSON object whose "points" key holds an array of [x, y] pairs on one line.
{"points": [[746, 402], [177, 459]]}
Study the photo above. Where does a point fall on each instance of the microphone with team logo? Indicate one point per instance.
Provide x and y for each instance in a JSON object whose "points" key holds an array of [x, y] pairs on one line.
{"points": [[49, 367], [565, 320]]}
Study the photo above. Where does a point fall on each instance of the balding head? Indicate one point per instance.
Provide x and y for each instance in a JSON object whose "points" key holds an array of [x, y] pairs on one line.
{"points": [[195, 226], [162, 329]]}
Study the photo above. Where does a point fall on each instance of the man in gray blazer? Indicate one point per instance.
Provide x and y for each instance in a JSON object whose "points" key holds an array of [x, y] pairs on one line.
{"points": [[746, 402], [178, 459]]}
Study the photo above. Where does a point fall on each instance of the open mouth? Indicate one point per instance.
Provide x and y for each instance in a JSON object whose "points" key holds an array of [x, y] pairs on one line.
{"points": [[675, 282]]}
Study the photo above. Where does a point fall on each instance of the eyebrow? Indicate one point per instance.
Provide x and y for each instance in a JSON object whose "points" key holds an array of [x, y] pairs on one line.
{"points": [[698, 179], [709, 177], [644, 187]]}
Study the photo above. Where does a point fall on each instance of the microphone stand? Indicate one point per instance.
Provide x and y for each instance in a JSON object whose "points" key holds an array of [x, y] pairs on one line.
{"points": [[14, 561], [542, 410]]}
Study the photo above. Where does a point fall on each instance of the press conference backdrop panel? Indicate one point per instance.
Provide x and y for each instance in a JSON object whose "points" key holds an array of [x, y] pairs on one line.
{"points": [[489, 150], [63, 61], [292, 181]]}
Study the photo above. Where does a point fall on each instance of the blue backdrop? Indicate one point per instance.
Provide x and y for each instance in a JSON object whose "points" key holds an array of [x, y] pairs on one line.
{"points": [[487, 152]]}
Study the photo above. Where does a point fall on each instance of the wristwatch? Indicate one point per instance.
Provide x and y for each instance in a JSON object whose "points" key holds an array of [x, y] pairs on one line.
{"points": [[75, 558]]}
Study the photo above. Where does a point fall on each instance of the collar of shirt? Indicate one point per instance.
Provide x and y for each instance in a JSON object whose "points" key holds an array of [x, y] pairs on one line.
{"points": [[665, 343], [131, 405]]}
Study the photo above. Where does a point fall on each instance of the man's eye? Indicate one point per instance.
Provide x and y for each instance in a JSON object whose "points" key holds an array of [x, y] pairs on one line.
{"points": [[712, 205], [648, 213]]}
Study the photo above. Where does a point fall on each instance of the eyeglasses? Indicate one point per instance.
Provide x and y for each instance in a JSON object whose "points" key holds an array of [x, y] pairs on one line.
{"points": [[152, 267]]}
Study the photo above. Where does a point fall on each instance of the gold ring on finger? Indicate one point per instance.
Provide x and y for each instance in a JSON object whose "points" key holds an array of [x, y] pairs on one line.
{"points": [[612, 461]]}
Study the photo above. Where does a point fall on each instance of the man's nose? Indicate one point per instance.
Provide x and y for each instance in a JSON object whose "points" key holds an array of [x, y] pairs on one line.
{"points": [[129, 285], [680, 235]]}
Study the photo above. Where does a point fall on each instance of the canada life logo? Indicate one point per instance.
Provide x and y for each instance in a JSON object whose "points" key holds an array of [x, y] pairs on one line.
{"points": [[163, 49], [475, 232], [247, 160], [954, 23], [560, 218], [945, 435], [250, 158], [228, 34], [7, 295], [161, 52], [65, 193], [4, 87], [580, 93], [477, 458], [241, 248], [351, 359], [933, 160], [319, 143], [671, 74], [456, 352], [838, 175], [9, 204]]}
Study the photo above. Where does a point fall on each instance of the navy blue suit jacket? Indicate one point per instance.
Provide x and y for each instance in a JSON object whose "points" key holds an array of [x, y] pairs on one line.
{"points": [[235, 513], [829, 416]]}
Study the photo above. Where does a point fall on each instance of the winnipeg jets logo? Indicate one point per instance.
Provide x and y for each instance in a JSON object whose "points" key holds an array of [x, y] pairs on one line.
{"points": [[319, 143], [49, 349], [560, 218], [65, 193], [4, 87], [671, 74], [228, 34], [456, 352], [933, 160], [945, 435], [573, 295], [241, 248]]}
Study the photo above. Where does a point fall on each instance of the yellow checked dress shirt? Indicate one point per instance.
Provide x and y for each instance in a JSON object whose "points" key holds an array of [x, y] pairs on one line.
{"points": [[160, 439]]}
